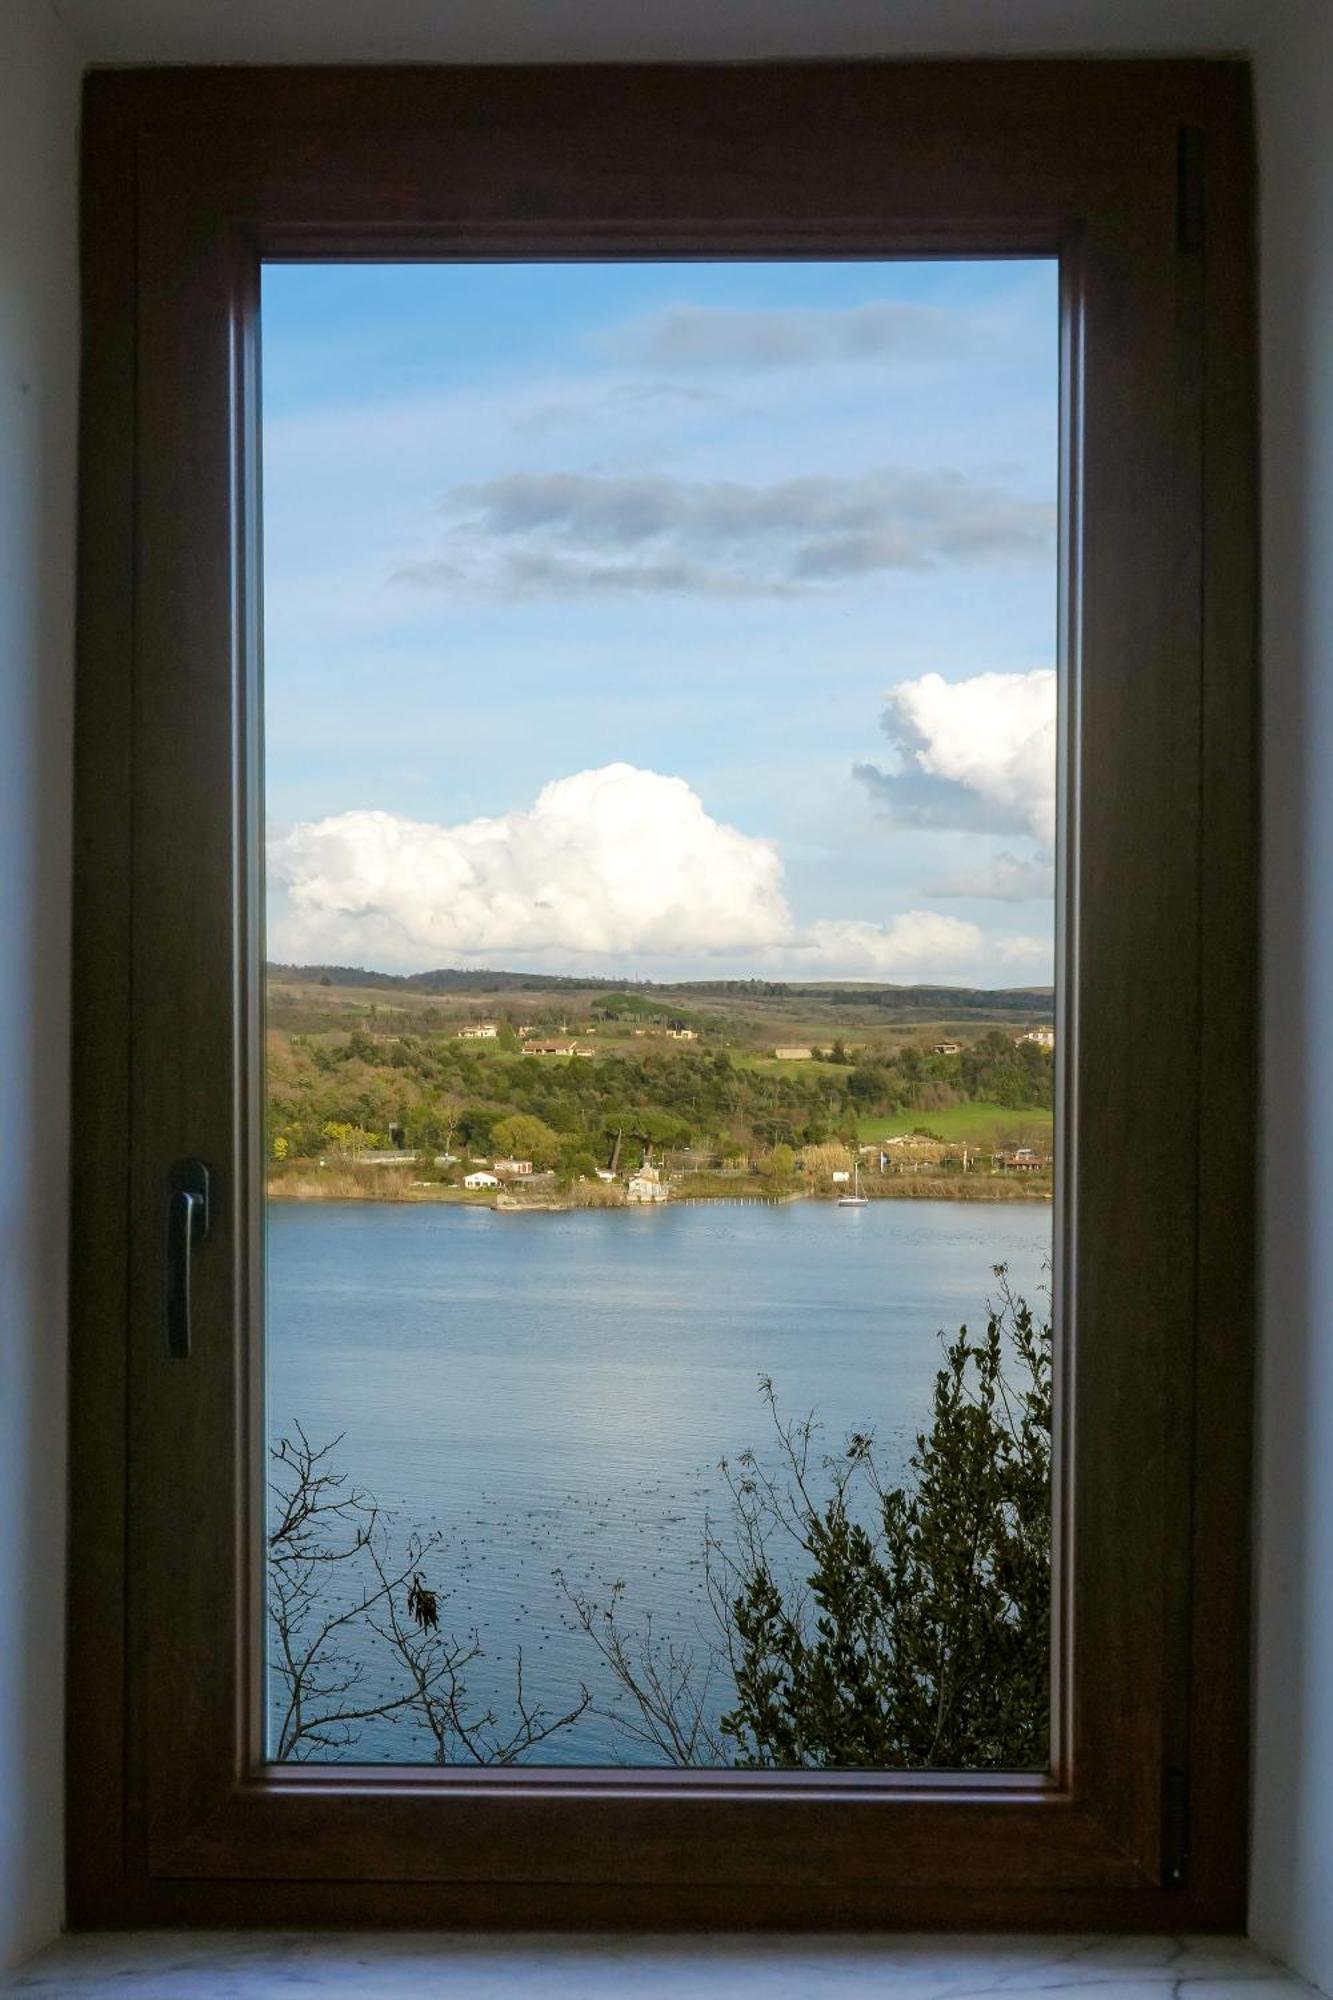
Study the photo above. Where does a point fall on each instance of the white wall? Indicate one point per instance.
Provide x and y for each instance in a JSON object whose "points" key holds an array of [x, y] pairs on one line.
{"points": [[1292, 1892], [39, 79]]}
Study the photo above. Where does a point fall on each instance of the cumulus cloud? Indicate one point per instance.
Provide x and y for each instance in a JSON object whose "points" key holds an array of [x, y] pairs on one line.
{"points": [[606, 862], [976, 754], [569, 533], [611, 865], [689, 337]]}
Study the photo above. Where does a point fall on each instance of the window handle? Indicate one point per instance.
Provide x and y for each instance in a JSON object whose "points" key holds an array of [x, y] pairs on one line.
{"points": [[187, 1224]]}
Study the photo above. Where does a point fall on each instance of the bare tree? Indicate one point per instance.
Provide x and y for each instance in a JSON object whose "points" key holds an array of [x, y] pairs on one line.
{"points": [[337, 1576], [669, 1683]]}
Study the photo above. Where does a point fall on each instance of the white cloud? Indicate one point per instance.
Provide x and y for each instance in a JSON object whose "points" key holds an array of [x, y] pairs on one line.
{"points": [[978, 754], [914, 943], [606, 867], [1005, 878], [607, 862]]}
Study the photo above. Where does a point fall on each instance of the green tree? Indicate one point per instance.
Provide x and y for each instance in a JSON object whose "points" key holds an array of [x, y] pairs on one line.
{"points": [[863, 1624], [524, 1137], [921, 1635], [868, 1085]]}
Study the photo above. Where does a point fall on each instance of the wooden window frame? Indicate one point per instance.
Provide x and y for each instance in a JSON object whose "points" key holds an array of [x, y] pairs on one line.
{"points": [[1138, 176]]}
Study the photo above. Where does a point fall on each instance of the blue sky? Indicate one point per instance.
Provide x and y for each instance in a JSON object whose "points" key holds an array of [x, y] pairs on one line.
{"points": [[662, 619]]}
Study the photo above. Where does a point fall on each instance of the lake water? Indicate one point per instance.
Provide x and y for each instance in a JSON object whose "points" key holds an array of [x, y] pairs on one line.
{"points": [[556, 1390]]}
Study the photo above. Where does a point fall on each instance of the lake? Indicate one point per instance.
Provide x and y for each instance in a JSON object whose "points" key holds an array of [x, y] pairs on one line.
{"points": [[556, 1390]]}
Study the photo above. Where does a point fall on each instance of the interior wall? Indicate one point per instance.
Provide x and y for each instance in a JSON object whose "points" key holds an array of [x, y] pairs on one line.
{"points": [[1292, 1882], [39, 83]]}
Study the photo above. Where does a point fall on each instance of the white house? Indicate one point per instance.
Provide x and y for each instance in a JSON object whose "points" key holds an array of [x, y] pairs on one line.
{"points": [[646, 1185], [479, 1031], [480, 1180], [518, 1167]]}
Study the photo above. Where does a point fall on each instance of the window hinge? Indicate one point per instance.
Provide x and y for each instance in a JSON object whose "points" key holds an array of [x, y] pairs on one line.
{"points": [[1175, 1827], [1190, 189]]}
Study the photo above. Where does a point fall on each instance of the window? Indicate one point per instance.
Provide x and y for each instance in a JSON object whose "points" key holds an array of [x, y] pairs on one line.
{"points": [[382, 1458], [654, 1063]]}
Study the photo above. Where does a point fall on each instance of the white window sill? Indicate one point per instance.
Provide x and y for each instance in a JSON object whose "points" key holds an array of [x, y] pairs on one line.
{"points": [[177, 1965]]}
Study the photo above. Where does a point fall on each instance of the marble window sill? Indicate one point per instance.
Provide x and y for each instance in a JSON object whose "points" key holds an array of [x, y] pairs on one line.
{"points": [[416, 1966]]}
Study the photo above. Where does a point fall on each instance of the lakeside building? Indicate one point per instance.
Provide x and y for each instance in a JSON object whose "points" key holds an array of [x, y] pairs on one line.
{"points": [[517, 1168], [646, 1185], [481, 1180]]}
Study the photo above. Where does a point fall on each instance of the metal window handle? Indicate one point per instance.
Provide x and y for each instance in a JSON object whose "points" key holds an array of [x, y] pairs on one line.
{"points": [[187, 1224]]}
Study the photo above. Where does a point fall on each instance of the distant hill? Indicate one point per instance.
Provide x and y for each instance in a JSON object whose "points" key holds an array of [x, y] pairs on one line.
{"points": [[953, 1002]]}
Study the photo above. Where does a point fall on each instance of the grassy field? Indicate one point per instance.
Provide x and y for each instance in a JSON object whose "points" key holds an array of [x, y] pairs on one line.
{"points": [[807, 1066], [978, 1124]]}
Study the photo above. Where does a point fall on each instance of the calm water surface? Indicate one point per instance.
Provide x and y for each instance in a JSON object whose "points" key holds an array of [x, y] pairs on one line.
{"points": [[556, 1390]]}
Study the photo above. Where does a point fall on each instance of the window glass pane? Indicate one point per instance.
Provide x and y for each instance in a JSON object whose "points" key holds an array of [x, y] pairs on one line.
{"points": [[661, 718]]}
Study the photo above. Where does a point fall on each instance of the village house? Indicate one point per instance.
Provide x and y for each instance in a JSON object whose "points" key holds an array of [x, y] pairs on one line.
{"points": [[793, 1055], [1043, 1037], [646, 1185], [550, 1049], [481, 1180], [479, 1031], [683, 1034], [948, 1049], [516, 1168], [1021, 1160]]}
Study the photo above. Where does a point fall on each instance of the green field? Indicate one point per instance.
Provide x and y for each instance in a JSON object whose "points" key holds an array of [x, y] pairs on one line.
{"points": [[979, 1124], [805, 1066]]}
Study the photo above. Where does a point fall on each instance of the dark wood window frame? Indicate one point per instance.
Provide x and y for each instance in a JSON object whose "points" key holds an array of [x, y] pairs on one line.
{"points": [[1138, 176]]}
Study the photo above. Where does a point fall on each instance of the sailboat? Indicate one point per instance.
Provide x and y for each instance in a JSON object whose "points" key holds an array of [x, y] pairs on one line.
{"points": [[855, 1199]]}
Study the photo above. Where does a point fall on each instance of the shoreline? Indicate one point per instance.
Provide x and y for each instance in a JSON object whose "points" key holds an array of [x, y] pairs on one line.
{"points": [[988, 1189]]}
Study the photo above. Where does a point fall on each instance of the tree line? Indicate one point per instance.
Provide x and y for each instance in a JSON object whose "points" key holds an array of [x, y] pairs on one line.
{"points": [[434, 1094]]}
